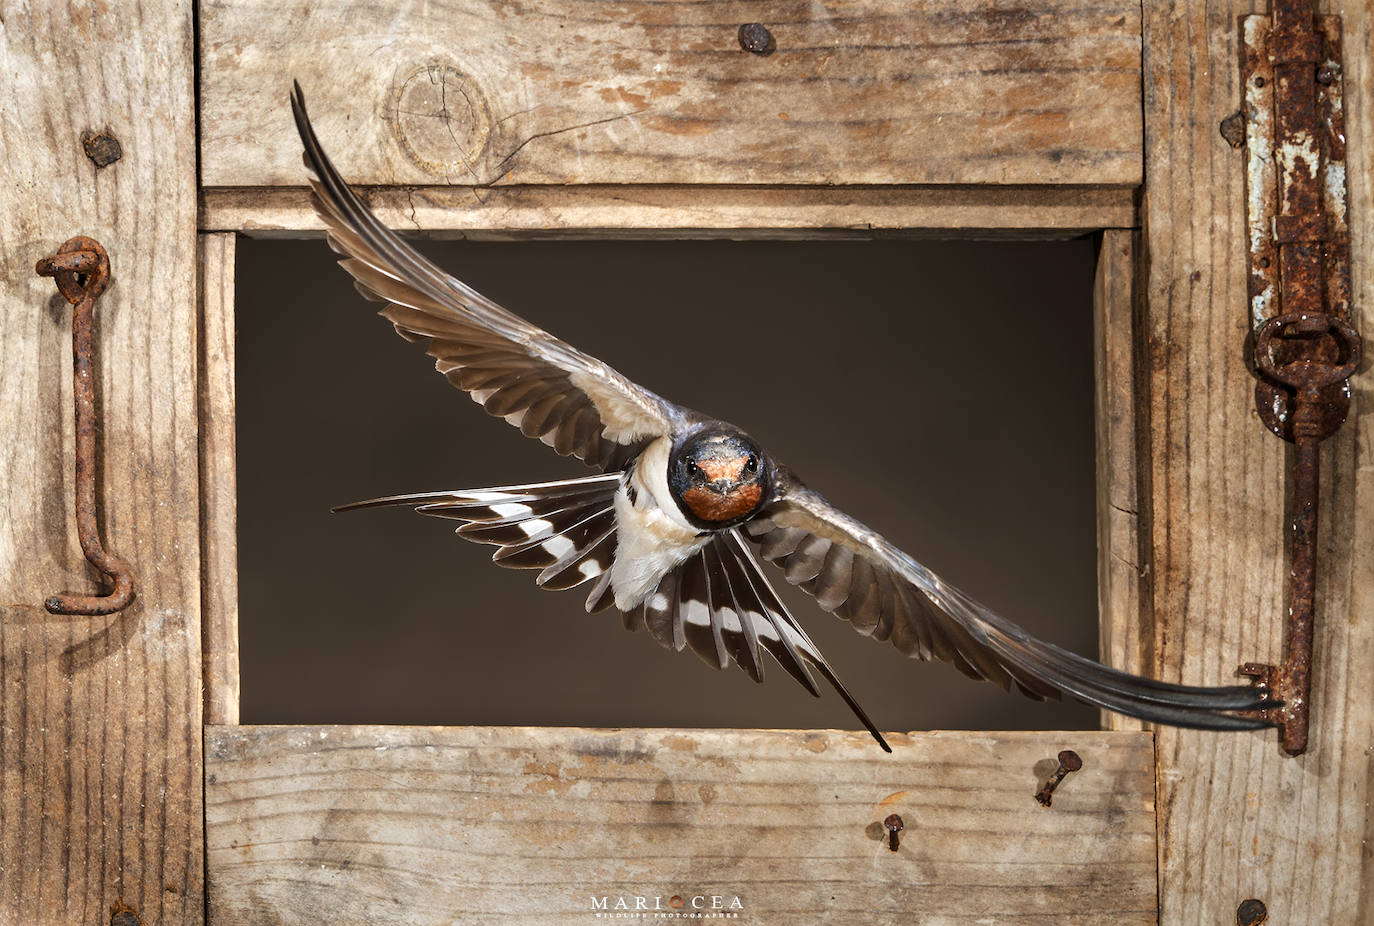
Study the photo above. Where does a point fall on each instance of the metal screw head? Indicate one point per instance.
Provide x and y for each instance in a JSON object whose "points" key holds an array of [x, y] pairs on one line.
{"points": [[756, 39]]}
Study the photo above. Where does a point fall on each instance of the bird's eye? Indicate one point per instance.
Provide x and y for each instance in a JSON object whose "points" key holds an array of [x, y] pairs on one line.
{"points": [[751, 465], [692, 465]]}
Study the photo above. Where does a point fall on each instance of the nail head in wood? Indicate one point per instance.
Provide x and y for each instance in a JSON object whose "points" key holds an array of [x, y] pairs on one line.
{"points": [[894, 825], [101, 147], [756, 39], [122, 914], [1233, 129]]}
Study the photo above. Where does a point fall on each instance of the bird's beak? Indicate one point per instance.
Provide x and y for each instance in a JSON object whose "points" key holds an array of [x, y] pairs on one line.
{"points": [[721, 486]]}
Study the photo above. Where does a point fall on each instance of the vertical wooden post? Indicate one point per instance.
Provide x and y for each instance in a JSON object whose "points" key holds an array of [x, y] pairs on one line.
{"points": [[218, 483], [100, 720], [1238, 819], [1121, 563]]}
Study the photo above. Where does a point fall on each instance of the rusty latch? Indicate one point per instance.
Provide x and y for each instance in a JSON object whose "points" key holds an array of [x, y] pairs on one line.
{"points": [[1304, 348], [81, 269]]}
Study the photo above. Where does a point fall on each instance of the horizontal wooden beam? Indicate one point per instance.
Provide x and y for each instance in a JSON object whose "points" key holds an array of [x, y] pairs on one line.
{"points": [[484, 92], [541, 825], [684, 211]]}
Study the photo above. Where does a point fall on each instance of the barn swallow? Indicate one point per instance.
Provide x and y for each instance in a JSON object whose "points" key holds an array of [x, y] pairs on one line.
{"points": [[671, 529]]}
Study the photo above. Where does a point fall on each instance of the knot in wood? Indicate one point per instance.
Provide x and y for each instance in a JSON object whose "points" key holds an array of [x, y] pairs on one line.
{"points": [[441, 120]]}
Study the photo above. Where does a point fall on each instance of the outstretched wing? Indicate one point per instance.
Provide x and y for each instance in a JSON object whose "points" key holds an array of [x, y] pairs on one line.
{"points": [[716, 601], [856, 574], [565, 529], [545, 387]]}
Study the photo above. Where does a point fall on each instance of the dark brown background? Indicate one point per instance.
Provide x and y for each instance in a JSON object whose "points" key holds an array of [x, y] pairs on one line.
{"points": [[939, 391]]}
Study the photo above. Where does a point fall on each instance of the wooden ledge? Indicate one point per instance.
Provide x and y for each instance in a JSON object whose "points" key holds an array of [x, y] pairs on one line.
{"points": [[646, 211], [551, 825]]}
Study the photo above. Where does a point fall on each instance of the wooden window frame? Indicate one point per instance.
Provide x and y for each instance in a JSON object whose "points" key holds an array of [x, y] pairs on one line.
{"points": [[101, 756]]}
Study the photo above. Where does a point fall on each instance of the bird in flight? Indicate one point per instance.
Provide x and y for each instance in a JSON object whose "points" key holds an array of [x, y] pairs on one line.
{"points": [[672, 528]]}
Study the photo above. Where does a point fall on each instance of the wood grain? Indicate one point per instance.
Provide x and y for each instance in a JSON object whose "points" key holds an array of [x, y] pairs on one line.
{"points": [[527, 825], [100, 722], [219, 579], [483, 92], [1347, 637], [1121, 567], [1237, 818], [703, 211]]}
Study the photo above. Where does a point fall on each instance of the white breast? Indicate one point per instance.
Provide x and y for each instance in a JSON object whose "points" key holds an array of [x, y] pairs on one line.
{"points": [[652, 536]]}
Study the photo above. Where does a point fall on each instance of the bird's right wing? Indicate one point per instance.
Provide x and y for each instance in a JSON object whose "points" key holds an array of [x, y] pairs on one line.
{"points": [[545, 387]]}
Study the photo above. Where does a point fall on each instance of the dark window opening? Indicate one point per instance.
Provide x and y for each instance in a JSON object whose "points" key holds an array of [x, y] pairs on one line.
{"points": [[939, 391]]}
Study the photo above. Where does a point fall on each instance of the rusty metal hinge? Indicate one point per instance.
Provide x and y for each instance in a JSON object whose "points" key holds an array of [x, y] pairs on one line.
{"points": [[1301, 342]]}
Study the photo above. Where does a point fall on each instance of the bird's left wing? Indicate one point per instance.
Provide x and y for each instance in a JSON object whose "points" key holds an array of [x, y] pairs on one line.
{"points": [[859, 576], [545, 387]]}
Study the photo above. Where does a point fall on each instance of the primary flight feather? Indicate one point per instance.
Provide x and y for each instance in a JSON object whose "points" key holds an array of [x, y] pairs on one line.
{"points": [[671, 530]]}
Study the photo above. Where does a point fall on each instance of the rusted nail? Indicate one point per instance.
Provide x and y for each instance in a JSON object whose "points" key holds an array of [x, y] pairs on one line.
{"points": [[1068, 762], [101, 147], [756, 39], [1251, 912], [123, 915], [894, 825], [1233, 129], [81, 269]]}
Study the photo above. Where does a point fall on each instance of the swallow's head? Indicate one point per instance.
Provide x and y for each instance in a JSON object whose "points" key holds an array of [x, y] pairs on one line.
{"points": [[719, 477]]}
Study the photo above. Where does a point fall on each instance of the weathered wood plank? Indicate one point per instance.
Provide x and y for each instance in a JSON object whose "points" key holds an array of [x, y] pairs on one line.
{"points": [[1237, 818], [481, 92], [1346, 636], [683, 211], [100, 723], [1120, 574], [528, 825], [219, 580]]}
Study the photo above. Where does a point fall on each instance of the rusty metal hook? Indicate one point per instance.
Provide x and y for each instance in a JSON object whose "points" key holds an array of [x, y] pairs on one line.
{"points": [[81, 269]]}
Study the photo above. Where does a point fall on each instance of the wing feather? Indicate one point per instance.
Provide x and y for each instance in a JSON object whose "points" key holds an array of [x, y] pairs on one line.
{"points": [[859, 576], [566, 529], [718, 602], [547, 388]]}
